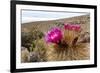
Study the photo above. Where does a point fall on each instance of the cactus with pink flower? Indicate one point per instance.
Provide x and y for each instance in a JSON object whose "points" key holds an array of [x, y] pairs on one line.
{"points": [[63, 43]]}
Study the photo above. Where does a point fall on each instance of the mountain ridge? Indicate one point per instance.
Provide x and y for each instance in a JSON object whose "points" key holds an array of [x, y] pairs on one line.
{"points": [[45, 25]]}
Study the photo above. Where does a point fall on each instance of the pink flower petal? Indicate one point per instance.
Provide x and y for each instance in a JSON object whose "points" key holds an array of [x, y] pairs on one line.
{"points": [[54, 35], [75, 27]]}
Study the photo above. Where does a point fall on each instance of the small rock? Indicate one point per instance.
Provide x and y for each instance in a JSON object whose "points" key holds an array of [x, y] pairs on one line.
{"points": [[34, 57], [24, 55]]}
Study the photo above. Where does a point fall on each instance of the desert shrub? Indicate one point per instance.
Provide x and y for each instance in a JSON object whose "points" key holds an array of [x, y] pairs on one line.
{"points": [[59, 24], [39, 49], [37, 34], [27, 38], [40, 46]]}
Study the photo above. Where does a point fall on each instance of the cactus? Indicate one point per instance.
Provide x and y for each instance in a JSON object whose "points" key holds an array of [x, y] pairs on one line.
{"points": [[68, 48]]}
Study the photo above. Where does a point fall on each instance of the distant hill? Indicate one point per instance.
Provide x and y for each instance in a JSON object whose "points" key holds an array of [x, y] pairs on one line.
{"points": [[45, 25]]}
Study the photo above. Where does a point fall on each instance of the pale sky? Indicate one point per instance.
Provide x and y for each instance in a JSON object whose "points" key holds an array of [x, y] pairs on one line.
{"points": [[31, 16]]}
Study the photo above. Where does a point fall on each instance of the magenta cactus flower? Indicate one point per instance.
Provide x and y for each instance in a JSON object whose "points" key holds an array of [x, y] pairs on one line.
{"points": [[75, 27], [54, 35]]}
